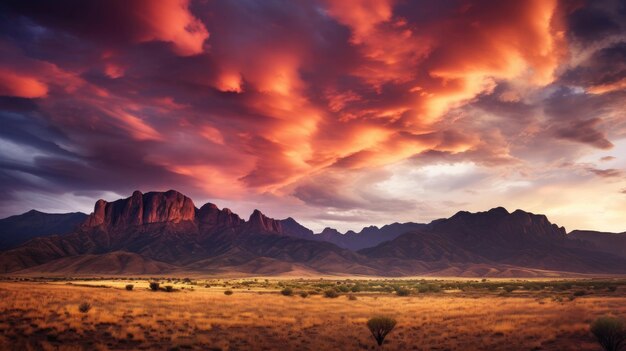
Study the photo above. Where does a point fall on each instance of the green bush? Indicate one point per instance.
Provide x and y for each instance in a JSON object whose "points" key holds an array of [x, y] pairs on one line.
{"points": [[424, 288], [154, 286], [380, 327], [129, 287], [344, 288], [287, 291], [355, 289], [610, 332]]}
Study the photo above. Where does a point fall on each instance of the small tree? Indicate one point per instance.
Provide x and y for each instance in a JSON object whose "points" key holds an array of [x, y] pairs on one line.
{"points": [[84, 307], [154, 286], [610, 332], [380, 327], [129, 287]]}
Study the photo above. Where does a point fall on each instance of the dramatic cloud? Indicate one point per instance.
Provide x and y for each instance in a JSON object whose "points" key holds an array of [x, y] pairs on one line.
{"points": [[338, 113]]}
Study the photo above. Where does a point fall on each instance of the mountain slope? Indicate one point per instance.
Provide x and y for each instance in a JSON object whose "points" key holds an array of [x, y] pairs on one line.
{"points": [[18, 229], [518, 239], [613, 243], [111, 263]]}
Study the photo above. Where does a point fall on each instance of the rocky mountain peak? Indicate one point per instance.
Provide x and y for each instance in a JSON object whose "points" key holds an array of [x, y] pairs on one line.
{"points": [[210, 214], [152, 207], [258, 221]]}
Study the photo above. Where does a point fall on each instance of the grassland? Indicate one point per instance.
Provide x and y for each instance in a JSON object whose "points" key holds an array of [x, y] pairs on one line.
{"points": [[43, 314]]}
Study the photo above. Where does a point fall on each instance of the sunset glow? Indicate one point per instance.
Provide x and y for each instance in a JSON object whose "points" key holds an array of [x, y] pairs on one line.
{"points": [[337, 113]]}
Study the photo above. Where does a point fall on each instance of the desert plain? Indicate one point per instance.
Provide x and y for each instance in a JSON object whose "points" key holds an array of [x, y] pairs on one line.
{"points": [[272, 314]]}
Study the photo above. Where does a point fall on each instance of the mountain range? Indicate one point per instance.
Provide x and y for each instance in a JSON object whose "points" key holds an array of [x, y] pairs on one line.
{"points": [[165, 233]]}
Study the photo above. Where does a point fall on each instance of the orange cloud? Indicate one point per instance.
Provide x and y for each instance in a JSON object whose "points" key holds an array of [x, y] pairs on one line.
{"points": [[13, 84], [282, 92], [170, 21]]}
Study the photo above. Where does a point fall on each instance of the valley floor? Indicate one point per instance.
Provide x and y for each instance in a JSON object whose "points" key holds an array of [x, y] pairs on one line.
{"points": [[44, 315]]}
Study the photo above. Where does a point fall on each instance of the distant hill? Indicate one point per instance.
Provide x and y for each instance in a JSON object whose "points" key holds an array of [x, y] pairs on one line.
{"points": [[614, 243], [18, 229], [165, 233], [518, 239], [368, 236]]}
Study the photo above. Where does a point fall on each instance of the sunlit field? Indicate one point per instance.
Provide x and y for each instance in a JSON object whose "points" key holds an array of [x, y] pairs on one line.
{"points": [[269, 314]]}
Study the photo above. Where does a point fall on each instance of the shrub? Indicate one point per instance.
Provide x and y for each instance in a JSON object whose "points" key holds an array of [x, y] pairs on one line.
{"points": [[509, 288], [424, 288], [610, 332], [351, 297], [303, 294], [344, 289], [331, 293], [169, 288], [84, 307], [380, 327], [154, 286], [228, 292], [580, 293], [129, 287], [355, 289], [287, 291], [403, 292], [612, 288]]}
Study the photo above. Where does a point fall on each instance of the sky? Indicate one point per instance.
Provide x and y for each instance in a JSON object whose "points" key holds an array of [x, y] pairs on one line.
{"points": [[337, 113]]}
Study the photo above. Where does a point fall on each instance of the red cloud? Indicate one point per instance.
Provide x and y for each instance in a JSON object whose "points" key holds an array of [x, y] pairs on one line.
{"points": [[281, 93], [13, 84]]}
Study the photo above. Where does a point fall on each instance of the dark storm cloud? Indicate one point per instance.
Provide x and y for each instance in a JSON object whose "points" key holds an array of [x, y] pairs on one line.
{"points": [[594, 20], [585, 131]]}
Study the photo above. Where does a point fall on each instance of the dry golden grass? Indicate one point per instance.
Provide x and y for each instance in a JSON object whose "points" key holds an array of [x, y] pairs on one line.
{"points": [[45, 316]]}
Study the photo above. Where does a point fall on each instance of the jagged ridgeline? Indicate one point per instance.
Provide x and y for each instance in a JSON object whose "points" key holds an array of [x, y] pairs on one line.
{"points": [[164, 232]]}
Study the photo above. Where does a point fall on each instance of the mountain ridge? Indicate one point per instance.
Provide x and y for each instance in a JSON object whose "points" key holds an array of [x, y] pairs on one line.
{"points": [[164, 232]]}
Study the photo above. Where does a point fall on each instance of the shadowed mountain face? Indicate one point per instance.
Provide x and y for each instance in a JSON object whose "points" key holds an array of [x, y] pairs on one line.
{"points": [[163, 232], [18, 229], [367, 237], [613, 243], [518, 239]]}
